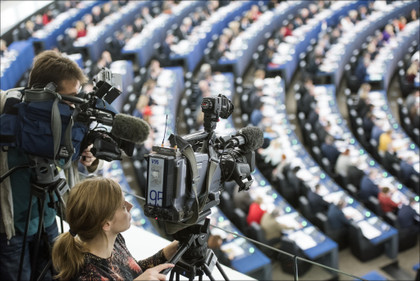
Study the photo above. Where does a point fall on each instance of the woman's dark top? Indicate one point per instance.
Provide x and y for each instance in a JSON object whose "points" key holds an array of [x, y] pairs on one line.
{"points": [[120, 266]]}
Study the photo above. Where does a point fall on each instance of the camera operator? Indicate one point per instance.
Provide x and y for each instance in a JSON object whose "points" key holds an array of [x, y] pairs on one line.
{"points": [[93, 248], [15, 190]]}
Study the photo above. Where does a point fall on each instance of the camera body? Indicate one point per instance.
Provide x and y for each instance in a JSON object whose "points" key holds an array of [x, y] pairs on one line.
{"points": [[94, 110], [185, 180], [35, 121], [169, 193]]}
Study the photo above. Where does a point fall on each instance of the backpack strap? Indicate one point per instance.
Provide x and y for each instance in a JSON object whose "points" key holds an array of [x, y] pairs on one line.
{"points": [[60, 153]]}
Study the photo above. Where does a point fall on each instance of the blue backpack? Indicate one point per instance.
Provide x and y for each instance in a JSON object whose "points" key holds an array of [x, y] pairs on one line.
{"points": [[35, 121]]}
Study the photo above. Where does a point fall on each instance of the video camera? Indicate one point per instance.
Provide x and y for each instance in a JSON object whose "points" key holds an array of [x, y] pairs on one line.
{"points": [[35, 121], [185, 180], [94, 109]]}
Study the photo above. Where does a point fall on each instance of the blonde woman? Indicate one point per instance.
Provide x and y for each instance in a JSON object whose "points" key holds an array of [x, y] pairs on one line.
{"points": [[93, 248]]}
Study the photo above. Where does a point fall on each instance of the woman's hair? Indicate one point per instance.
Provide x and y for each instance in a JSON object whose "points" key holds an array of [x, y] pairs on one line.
{"points": [[52, 66], [90, 204]]}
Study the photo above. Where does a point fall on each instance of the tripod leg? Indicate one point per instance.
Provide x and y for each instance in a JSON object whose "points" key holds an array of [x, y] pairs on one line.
{"points": [[171, 276], [221, 270], [60, 211], [207, 271], [44, 271], [41, 230], [22, 255]]}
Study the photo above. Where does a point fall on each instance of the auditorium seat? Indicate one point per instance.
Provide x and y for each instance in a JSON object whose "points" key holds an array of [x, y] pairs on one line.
{"points": [[226, 204], [374, 205], [352, 82], [254, 231], [239, 219], [340, 237], [287, 262], [406, 237], [361, 247], [305, 208]]}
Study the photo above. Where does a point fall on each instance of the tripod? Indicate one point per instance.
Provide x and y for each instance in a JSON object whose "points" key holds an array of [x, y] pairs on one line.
{"points": [[47, 183], [193, 258]]}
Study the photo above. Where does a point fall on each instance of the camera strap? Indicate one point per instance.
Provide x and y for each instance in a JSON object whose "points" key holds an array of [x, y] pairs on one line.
{"points": [[45, 95], [187, 150]]}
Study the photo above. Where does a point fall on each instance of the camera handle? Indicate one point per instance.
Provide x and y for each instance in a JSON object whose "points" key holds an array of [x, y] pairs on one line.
{"points": [[193, 258]]}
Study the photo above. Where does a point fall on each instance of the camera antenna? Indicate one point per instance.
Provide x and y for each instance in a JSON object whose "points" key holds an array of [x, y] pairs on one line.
{"points": [[164, 132]]}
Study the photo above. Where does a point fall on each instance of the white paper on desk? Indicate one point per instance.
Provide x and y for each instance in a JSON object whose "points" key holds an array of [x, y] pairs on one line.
{"points": [[368, 230], [289, 220], [232, 249], [334, 197], [160, 100], [304, 175], [352, 213], [303, 240]]}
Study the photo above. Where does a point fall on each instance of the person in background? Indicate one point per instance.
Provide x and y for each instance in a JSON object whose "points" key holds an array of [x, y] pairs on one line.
{"points": [[257, 114], [272, 228], [255, 212], [385, 140], [407, 216], [339, 223], [93, 248], [329, 150], [367, 187], [343, 163], [407, 170], [385, 200], [317, 203], [214, 243], [81, 29]]}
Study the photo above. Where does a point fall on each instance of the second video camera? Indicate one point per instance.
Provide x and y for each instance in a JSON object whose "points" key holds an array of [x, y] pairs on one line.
{"points": [[185, 180]]}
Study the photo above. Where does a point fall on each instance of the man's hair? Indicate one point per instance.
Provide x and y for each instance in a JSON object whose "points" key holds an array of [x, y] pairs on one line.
{"points": [[52, 66]]}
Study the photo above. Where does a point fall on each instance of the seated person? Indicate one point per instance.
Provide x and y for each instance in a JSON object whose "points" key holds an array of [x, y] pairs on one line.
{"points": [[367, 187], [214, 243], [407, 170], [338, 222], [343, 163], [255, 212], [316, 201], [272, 228], [385, 140], [407, 216], [354, 175], [329, 150], [387, 204]]}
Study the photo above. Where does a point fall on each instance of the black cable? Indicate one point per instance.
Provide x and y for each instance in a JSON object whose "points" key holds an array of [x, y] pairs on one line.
{"points": [[12, 170]]}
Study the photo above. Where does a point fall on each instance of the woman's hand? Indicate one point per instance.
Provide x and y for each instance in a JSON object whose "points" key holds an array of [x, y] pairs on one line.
{"points": [[87, 157], [154, 272], [170, 250]]}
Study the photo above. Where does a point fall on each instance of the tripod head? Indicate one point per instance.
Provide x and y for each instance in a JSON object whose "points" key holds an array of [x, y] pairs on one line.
{"points": [[195, 239], [193, 258]]}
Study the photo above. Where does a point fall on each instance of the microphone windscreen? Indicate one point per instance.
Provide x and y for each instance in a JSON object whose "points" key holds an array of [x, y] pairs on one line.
{"points": [[254, 138], [130, 128]]}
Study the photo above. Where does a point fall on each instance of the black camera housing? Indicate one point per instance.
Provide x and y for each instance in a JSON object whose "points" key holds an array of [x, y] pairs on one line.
{"points": [[192, 171]]}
